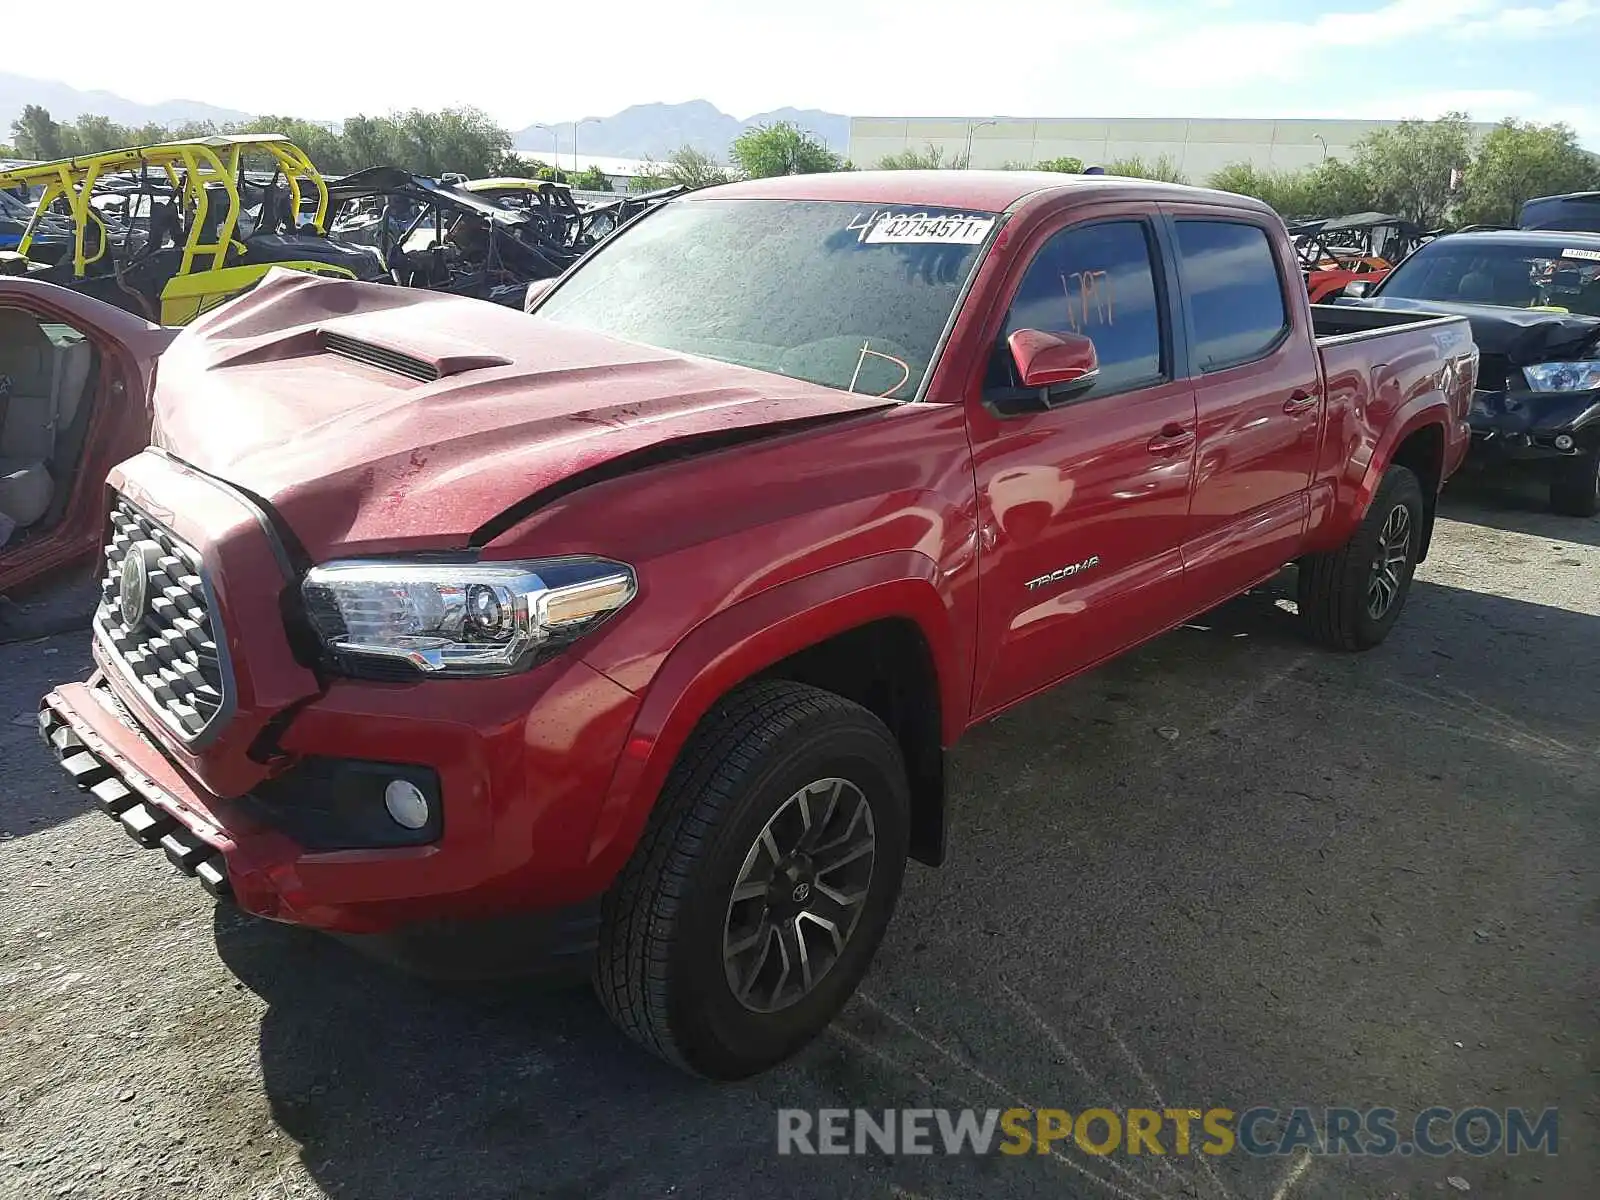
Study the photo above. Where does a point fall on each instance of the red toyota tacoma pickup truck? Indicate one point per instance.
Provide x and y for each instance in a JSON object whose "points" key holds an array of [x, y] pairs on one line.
{"points": [[631, 634]]}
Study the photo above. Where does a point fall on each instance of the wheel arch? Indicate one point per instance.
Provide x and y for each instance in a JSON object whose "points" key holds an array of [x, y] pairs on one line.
{"points": [[1422, 451], [1415, 438], [834, 630]]}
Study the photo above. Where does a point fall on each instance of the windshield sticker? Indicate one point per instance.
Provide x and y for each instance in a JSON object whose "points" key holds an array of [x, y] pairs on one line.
{"points": [[1590, 255], [921, 228]]}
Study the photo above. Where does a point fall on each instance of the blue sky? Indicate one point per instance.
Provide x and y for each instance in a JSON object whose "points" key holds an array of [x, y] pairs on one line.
{"points": [[1162, 58]]}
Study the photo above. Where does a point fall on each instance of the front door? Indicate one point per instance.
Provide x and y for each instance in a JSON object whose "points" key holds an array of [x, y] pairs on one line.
{"points": [[1083, 506], [1258, 394], [73, 403]]}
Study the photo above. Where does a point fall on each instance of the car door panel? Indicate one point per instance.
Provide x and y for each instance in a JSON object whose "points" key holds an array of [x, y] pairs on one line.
{"points": [[1084, 506], [1258, 420], [1081, 527]]}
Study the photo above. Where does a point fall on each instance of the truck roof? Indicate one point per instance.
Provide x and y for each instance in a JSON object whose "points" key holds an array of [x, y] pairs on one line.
{"points": [[986, 191]]}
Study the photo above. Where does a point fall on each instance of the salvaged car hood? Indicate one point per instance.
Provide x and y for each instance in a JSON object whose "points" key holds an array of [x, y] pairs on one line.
{"points": [[1523, 336], [376, 418]]}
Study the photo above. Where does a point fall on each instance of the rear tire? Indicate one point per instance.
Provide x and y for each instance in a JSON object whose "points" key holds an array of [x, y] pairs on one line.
{"points": [[717, 869], [1575, 488], [1351, 597]]}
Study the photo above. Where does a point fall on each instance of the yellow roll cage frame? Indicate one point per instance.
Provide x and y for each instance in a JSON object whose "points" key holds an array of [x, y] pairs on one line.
{"points": [[189, 167]]}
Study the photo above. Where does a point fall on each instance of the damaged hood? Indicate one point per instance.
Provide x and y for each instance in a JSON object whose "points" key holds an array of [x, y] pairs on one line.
{"points": [[376, 418], [1522, 336]]}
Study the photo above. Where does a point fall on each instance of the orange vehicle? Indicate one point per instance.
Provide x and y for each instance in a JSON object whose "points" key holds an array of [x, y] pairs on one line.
{"points": [[1334, 254]]}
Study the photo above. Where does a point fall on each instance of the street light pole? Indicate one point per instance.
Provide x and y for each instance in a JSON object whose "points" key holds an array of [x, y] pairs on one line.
{"points": [[555, 145], [966, 163], [1324, 142]]}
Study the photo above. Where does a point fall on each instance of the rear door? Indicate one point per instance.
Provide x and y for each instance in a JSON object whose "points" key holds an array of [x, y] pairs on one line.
{"points": [[1083, 506], [1258, 398]]}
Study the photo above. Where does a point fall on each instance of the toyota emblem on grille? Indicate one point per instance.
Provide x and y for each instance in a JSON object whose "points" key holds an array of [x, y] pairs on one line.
{"points": [[135, 585]]}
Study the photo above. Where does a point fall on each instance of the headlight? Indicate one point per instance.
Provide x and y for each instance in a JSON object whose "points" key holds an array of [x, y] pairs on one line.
{"points": [[1563, 377], [461, 618]]}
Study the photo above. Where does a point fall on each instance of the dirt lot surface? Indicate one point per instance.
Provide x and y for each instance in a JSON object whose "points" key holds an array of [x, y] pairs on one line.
{"points": [[1227, 870]]}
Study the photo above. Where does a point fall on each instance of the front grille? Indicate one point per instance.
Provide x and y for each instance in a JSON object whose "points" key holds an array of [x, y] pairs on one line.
{"points": [[167, 643], [378, 356]]}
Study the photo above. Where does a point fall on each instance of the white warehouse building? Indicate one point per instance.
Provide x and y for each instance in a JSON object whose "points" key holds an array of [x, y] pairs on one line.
{"points": [[1199, 148]]}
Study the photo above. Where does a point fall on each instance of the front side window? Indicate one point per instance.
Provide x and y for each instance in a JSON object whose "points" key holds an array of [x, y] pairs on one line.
{"points": [[851, 296], [1233, 291], [1098, 281]]}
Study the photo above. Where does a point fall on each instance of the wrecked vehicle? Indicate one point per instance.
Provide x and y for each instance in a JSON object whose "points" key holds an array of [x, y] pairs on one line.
{"points": [[601, 220], [551, 204], [443, 238], [628, 637], [1336, 253], [1533, 299], [563, 219], [14, 218], [1576, 211], [184, 243], [74, 379]]}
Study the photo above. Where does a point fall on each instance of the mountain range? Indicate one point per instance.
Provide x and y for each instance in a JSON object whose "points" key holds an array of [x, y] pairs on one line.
{"points": [[656, 130], [67, 103], [639, 131]]}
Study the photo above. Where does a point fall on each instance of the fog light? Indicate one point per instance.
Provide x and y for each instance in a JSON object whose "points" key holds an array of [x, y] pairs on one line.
{"points": [[406, 804], [1563, 441]]}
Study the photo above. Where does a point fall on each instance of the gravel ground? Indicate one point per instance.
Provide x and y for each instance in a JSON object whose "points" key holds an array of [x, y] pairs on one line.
{"points": [[1226, 870]]}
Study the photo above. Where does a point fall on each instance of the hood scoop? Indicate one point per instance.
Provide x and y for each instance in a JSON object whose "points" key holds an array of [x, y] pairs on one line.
{"points": [[399, 362]]}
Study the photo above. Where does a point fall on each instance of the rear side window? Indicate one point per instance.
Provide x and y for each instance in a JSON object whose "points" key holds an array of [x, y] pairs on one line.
{"points": [[1096, 280], [1234, 292]]}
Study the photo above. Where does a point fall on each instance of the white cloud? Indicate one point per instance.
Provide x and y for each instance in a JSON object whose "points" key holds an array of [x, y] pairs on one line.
{"points": [[1529, 21]]}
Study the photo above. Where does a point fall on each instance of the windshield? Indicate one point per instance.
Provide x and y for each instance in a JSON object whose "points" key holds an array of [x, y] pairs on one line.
{"points": [[845, 295], [1554, 277]]}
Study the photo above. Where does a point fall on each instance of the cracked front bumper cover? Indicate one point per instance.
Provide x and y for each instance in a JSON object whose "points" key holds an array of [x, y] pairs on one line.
{"points": [[1524, 425], [142, 809]]}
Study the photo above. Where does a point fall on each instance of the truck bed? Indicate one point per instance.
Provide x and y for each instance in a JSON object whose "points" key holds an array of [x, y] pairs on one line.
{"points": [[1338, 321], [1367, 350], [1377, 363]]}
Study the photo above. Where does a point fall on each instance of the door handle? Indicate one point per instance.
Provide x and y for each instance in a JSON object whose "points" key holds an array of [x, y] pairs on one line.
{"points": [[1173, 439], [1299, 401]]}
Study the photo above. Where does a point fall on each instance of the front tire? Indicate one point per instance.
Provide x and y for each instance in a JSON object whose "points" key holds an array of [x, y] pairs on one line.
{"points": [[762, 884], [1575, 488], [1351, 597]]}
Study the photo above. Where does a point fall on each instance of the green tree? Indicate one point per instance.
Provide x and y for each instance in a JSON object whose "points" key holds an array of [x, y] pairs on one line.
{"points": [[38, 135], [325, 147], [1162, 169], [653, 177], [593, 179], [693, 168], [94, 134], [1519, 160], [782, 148], [364, 142], [1065, 165], [1409, 167], [1336, 188], [931, 158], [537, 168]]}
